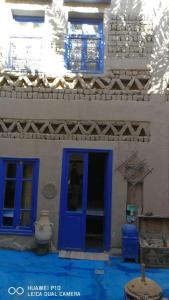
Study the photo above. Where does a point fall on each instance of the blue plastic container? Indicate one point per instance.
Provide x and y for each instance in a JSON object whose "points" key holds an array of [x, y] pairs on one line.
{"points": [[130, 242], [129, 230]]}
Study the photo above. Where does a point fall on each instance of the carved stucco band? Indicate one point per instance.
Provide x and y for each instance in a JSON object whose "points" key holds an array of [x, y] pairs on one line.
{"points": [[118, 79], [132, 85], [75, 130]]}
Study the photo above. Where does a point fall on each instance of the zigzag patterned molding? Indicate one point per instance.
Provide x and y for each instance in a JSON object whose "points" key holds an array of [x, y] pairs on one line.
{"points": [[132, 80], [76, 130]]}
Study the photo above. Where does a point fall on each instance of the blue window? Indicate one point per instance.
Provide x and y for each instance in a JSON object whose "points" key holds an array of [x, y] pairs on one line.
{"points": [[85, 46], [18, 195], [25, 49]]}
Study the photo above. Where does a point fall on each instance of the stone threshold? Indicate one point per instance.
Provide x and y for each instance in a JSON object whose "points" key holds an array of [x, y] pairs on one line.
{"points": [[83, 255]]}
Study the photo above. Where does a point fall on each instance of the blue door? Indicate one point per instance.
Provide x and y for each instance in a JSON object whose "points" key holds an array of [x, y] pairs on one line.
{"points": [[85, 200]]}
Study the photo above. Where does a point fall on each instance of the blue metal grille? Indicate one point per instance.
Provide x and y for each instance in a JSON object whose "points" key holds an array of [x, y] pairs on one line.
{"points": [[25, 49], [84, 51], [25, 53]]}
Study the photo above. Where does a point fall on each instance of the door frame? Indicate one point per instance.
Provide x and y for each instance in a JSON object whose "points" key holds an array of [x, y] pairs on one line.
{"points": [[109, 188]]}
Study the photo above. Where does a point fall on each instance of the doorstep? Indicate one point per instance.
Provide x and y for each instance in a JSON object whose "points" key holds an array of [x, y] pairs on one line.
{"points": [[83, 255]]}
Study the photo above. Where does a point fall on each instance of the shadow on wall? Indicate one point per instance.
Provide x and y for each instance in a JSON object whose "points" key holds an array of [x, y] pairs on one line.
{"points": [[131, 7], [160, 57], [157, 15], [154, 36], [57, 21]]}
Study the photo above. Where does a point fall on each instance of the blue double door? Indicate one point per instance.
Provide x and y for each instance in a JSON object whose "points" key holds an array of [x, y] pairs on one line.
{"points": [[85, 207]]}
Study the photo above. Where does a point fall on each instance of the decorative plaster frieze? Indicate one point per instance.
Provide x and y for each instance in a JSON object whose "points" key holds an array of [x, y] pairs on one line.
{"points": [[75, 130], [132, 85]]}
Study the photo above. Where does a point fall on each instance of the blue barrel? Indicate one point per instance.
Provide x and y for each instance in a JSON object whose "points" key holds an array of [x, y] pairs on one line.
{"points": [[130, 242], [129, 230]]}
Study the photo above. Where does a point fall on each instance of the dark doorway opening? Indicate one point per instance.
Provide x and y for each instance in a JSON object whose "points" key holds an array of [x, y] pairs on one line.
{"points": [[95, 201]]}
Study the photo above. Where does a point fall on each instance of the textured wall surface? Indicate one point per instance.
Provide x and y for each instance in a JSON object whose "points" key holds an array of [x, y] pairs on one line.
{"points": [[130, 36], [124, 109]]}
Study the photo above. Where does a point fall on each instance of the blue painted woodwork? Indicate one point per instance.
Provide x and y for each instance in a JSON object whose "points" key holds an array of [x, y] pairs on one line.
{"points": [[108, 197], [32, 19], [79, 55], [72, 225], [14, 213]]}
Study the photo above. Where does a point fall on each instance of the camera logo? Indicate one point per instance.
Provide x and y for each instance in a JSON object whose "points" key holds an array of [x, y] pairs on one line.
{"points": [[12, 290]]}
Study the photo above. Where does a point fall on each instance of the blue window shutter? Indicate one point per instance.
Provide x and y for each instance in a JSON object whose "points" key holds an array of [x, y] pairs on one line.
{"points": [[15, 225], [17, 195], [102, 53], [66, 52], [34, 192]]}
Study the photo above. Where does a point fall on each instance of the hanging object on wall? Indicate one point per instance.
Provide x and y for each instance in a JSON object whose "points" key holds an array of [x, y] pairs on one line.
{"points": [[134, 170], [49, 191]]}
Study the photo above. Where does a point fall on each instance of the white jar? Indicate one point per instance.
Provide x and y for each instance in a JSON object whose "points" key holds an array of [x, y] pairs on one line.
{"points": [[43, 228]]}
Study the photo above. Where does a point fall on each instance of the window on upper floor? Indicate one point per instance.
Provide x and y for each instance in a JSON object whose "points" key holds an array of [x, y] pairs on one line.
{"points": [[85, 45], [18, 195], [88, 1], [25, 49]]}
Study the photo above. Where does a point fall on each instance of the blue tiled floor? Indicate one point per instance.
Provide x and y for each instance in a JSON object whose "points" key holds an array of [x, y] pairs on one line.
{"points": [[90, 280]]}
